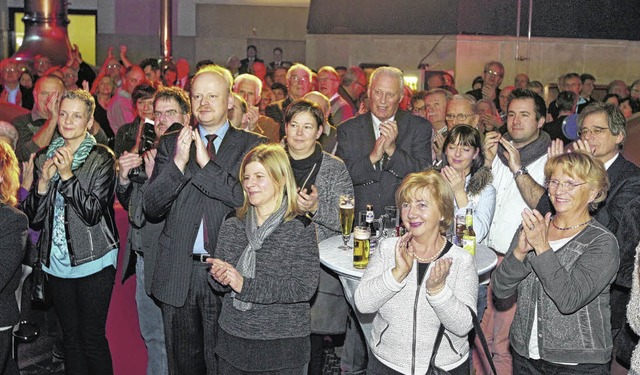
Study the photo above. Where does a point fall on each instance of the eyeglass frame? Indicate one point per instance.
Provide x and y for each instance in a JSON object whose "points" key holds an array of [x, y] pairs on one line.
{"points": [[596, 130], [494, 73], [567, 186], [459, 116]]}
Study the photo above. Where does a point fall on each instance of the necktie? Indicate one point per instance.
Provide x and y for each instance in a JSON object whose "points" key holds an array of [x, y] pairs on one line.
{"points": [[211, 149]]}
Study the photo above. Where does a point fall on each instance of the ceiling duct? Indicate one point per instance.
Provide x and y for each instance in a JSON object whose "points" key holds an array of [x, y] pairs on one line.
{"points": [[46, 34]]}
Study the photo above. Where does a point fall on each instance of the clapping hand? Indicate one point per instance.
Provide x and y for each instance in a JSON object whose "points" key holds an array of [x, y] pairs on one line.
{"points": [[491, 141], [226, 274], [389, 129], [404, 259], [183, 146], [512, 154], [536, 229], [438, 276]]}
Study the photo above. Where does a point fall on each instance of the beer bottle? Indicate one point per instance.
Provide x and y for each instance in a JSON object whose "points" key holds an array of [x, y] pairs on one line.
{"points": [[373, 241], [469, 236]]}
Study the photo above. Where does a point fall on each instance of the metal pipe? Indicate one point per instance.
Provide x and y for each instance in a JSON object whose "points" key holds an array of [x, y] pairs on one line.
{"points": [[165, 29], [518, 30]]}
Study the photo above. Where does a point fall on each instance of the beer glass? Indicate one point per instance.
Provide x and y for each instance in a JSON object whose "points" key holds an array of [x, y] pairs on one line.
{"points": [[347, 210], [390, 222], [361, 235]]}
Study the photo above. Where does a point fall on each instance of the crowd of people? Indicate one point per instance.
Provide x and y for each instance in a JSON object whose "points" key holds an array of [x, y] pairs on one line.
{"points": [[232, 176]]}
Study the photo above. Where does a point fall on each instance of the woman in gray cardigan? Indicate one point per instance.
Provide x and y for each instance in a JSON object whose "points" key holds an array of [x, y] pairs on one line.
{"points": [[266, 262], [561, 268], [321, 178]]}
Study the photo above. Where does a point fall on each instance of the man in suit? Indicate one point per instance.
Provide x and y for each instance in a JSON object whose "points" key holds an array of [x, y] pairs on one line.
{"points": [[380, 148], [193, 187], [246, 64], [298, 85], [602, 130], [329, 82], [353, 86], [277, 60]]}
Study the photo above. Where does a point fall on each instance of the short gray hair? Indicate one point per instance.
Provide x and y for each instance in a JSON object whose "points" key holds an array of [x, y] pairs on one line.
{"points": [[391, 72], [468, 98], [7, 130], [248, 77]]}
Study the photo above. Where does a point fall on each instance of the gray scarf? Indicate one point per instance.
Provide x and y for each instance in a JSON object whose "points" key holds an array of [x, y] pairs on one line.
{"points": [[529, 153], [247, 263]]}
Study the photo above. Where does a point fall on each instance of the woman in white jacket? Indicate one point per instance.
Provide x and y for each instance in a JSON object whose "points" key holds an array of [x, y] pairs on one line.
{"points": [[417, 282]]}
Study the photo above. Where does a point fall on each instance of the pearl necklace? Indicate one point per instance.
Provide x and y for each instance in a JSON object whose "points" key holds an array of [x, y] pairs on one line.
{"points": [[572, 227], [432, 258]]}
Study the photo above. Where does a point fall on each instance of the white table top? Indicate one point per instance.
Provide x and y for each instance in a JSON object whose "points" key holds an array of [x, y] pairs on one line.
{"points": [[341, 261]]}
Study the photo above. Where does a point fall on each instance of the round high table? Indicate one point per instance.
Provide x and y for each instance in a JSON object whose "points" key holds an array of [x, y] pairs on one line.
{"points": [[341, 262]]}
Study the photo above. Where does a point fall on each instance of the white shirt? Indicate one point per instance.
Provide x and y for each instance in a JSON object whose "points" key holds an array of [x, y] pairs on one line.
{"points": [[610, 161], [509, 203], [377, 122]]}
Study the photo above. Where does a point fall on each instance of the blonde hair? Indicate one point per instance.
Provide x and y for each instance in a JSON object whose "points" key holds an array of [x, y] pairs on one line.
{"points": [[581, 165], [414, 183], [10, 175], [276, 162]]}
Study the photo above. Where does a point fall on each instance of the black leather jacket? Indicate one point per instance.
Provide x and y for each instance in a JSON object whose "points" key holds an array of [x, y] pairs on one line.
{"points": [[88, 199]]}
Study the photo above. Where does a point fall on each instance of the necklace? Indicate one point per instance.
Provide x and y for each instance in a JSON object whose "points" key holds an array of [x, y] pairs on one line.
{"points": [[572, 227], [432, 258]]}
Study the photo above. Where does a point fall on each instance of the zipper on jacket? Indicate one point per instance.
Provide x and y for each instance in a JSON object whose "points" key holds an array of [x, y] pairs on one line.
{"points": [[415, 323]]}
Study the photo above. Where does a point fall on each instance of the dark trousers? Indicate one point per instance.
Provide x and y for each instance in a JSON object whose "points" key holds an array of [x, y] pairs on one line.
{"points": [[7, 365], [191, 330], [375, 367], [525, 366], [227, 369], [82, 305]]}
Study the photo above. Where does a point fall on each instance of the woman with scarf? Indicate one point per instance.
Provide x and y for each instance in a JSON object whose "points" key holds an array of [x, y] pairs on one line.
{"points": [[266, 263], [320, 178], [72, 204]]}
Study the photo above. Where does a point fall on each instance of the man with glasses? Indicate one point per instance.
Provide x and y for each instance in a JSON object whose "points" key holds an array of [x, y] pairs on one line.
{"points": [[462, 109], [10, 90], [328, 84], [353, 87], [298, 85], [602, 130], [171, 105], [517, 161], [492, 78], [41, 64]]}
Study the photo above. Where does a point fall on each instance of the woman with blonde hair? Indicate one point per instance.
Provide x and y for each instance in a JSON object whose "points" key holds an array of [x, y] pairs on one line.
{"points": [[561, 268], [267, 265], [13, 237], [416, 283]]}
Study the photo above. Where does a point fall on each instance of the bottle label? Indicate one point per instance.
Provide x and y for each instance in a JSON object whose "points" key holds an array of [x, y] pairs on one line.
{"points": [[370, 217], [469, 244]]}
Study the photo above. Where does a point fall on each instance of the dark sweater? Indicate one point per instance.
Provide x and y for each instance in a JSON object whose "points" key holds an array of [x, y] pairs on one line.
{"points": [[287, 271]]}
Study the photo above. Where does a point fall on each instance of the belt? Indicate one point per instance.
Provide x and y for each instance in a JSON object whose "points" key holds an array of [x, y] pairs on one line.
{"points": [[202, 258]]}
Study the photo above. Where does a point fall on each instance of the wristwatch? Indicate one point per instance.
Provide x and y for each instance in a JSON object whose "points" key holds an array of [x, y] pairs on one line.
{"points": [[520, 172]]}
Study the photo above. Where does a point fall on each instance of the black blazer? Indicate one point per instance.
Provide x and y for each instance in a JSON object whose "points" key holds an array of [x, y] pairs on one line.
{"points": [[356, 139], [13, 238], [183, 199]]}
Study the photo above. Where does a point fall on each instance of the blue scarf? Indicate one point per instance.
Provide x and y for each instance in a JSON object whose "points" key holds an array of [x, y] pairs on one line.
{"points": [[59, 237]]}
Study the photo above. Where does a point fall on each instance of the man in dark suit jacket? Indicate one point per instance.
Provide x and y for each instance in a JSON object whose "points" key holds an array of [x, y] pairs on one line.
{"points": [[246, 64], [193, 187], [619, 212], [380, 148]]}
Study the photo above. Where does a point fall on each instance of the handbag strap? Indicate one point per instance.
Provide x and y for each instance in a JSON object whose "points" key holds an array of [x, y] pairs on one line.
{"points": [[476, 327], [483, 340]]}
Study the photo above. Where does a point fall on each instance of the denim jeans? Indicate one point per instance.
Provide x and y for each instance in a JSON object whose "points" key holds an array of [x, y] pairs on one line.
{"points": [[151, 326], [82, 305]]}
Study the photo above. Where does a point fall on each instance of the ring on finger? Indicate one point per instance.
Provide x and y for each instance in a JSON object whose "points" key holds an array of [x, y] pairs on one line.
{"points": [[532, 227]]}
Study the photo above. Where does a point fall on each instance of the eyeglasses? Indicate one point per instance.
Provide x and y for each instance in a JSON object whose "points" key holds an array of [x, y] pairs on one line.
{"points": [[459, 116], [299, 79], [166, 114], [323, 79], [595, 130], [565, 185], [113, 66], [70, 75], [9, 70], [493, 73]]}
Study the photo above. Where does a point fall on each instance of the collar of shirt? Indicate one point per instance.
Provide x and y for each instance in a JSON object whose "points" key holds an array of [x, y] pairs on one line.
{"points": [[12, 95], [610, 161], [334, 96], [221, 132], [377, 122]]}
